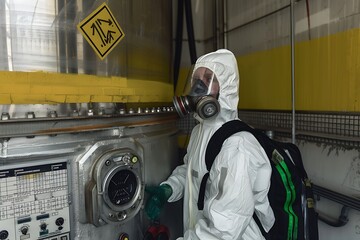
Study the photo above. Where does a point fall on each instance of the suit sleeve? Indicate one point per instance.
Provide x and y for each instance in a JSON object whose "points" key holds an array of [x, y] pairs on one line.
{"points": [[177, 182], [177, 179]]}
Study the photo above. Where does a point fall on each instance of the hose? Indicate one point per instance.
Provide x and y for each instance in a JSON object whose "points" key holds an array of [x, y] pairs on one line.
{"points": [[341, 221]]}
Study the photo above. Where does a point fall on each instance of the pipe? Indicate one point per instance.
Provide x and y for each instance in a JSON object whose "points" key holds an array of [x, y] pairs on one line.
{"points": [[216, 24], [347, 202], [220, 24], [190, 31], [308, 18], [178, 40], [350, 202], [341, 221], [225, 24], [257, 19], [292, 38], [226, 31]]}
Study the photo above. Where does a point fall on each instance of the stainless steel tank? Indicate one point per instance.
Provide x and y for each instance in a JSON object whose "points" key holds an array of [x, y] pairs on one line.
{"points": [[83, 177], [42, 35], [78, 170]]}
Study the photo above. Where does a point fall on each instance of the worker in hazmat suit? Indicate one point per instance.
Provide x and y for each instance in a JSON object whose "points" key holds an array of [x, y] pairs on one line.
{"points": [[239, 179]]}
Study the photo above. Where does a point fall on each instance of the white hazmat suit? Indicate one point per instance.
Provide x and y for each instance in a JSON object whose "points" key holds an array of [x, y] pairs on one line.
{"points": [[239, 178]]}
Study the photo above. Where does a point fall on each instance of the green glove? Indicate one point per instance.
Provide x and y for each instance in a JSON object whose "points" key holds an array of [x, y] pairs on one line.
{"points": [[158, 197]]}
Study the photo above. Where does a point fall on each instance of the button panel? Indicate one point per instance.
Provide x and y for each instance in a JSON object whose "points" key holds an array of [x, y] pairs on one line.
{"points": [[34, 202]]}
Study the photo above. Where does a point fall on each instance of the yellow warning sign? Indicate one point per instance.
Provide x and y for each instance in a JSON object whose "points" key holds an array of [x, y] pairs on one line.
{"points": [[101, 30]]}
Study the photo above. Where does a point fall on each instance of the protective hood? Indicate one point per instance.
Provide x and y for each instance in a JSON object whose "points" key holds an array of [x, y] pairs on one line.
{"points": [[228, 78]]}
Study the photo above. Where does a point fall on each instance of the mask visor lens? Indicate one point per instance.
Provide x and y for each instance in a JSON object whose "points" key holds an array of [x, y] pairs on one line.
{"points": [[204, 82]]}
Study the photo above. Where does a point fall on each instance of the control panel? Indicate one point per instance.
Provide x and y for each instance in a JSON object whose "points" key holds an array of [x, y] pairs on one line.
{"points": [[34, 202]]}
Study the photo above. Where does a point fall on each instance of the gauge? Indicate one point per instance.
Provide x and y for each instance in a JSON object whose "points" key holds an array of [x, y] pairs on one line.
{"points": [[122, 187]]}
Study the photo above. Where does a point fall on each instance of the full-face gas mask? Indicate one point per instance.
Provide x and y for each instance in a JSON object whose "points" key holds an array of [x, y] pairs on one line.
{"points": [[200, 95]]}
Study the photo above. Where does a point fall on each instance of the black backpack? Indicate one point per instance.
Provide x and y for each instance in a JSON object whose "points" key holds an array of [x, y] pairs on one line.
{"points": [[290, 195]]}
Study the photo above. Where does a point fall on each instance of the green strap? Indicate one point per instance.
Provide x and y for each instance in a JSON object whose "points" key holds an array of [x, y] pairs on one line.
{"points": [[290, 195]]}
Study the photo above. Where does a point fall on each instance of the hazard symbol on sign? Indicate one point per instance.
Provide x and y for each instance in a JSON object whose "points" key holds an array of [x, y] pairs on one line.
{"points": [[101, 30]]}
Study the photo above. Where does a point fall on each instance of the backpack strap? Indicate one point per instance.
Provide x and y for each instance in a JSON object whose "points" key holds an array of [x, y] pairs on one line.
{"points": [[311, 223], [214, 147], [224, 132], [295, 157]]}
